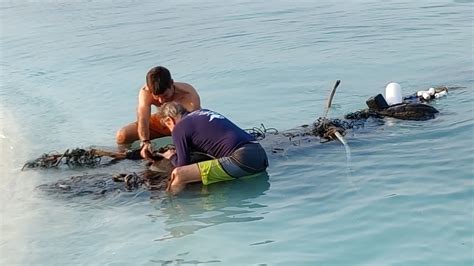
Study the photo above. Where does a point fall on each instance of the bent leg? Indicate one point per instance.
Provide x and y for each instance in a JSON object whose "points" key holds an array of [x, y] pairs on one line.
{"points": [[129, 133], [183, 175], [212, 172]]}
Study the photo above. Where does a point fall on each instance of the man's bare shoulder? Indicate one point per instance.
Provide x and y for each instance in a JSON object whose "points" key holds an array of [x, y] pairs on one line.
{"points": [[187, 96], [144, 89], [185, 86], [145, 97]]}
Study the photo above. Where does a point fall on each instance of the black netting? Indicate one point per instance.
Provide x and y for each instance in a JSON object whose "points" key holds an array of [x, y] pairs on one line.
{"points": [[74, 158]]}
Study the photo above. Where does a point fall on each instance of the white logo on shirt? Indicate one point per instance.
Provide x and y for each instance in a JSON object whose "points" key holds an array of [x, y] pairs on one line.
{"points": [[211, 114]]}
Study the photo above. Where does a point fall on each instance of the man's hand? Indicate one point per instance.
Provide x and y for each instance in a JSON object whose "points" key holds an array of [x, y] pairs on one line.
{"points": [[146, 151]]}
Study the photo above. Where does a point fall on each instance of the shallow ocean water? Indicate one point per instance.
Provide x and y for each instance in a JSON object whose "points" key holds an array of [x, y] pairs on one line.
{"points": [[70, 74]]}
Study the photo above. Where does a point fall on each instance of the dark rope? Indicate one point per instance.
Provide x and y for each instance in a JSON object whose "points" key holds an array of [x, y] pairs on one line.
{"points": [[259, 133]]}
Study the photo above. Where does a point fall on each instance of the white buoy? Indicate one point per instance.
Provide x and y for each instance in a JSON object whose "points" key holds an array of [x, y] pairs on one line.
{"points": [[431, 91], [426, 95], [393, 93], [441, 94]]}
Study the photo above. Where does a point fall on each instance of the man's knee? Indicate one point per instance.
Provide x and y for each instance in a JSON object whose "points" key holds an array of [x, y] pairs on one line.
{"points": [[121, 137], [178, 177], [182, 176], [176, 184]]}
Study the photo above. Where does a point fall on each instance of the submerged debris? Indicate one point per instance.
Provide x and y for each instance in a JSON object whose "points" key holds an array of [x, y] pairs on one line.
{"points": [[88, 158], [72, 158], [156, 176]]}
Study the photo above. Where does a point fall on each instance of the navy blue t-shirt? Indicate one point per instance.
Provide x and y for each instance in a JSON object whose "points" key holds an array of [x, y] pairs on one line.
{"points": [[206, 131]]}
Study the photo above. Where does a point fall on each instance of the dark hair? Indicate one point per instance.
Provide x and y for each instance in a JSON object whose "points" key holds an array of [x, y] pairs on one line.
{"points": [[158, 79]]}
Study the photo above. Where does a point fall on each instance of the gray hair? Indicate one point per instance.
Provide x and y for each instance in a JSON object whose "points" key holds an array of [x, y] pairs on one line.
{"points": [[171, 109]]}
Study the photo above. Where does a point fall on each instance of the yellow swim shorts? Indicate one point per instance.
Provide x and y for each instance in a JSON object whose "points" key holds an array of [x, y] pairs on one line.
{"points": [[212, 172]]}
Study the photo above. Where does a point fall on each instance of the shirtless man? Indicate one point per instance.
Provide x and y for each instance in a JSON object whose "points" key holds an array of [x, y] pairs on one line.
{"points": [[159, 88]]}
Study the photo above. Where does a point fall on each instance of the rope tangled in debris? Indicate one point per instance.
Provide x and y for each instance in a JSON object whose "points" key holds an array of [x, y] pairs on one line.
{"points": [[73, 158], [131, 181], [323, 127], [326, 128], [261, 132], [78, 157]]}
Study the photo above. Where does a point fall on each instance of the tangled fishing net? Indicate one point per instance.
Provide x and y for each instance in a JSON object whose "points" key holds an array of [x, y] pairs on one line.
{"points": [[73, 158]]}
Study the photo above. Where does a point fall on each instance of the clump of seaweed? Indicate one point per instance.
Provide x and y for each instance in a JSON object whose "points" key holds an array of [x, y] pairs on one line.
{"points": [[73, 158]]}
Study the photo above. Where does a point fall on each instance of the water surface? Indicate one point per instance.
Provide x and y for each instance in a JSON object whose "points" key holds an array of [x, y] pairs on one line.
{"points": [[70, 74]]}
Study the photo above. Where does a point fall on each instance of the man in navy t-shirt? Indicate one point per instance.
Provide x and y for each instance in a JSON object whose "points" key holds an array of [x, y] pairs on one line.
{"points": [[237, 153]]}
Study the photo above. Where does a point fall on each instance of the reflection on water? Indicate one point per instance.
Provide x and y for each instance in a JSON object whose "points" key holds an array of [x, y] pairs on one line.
{"points": [[200, 206]]}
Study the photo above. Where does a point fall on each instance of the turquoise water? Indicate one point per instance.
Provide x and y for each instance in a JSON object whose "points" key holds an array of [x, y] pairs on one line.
{"points": [[70, 73]]}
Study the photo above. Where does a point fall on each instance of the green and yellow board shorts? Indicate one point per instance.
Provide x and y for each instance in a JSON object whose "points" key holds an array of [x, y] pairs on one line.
{"points": [[212, 172]]}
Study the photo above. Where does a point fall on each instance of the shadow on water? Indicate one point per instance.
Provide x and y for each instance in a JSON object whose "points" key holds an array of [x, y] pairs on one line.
{"points": [[200, 207]]}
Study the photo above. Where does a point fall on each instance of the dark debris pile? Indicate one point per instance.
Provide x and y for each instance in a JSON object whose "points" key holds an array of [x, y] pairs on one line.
{"points": [[73, 158]]}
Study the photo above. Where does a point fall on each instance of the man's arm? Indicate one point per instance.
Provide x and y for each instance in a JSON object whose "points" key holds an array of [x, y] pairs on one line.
{"points": [[181, 157], [143, 121], [143, 114]]}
